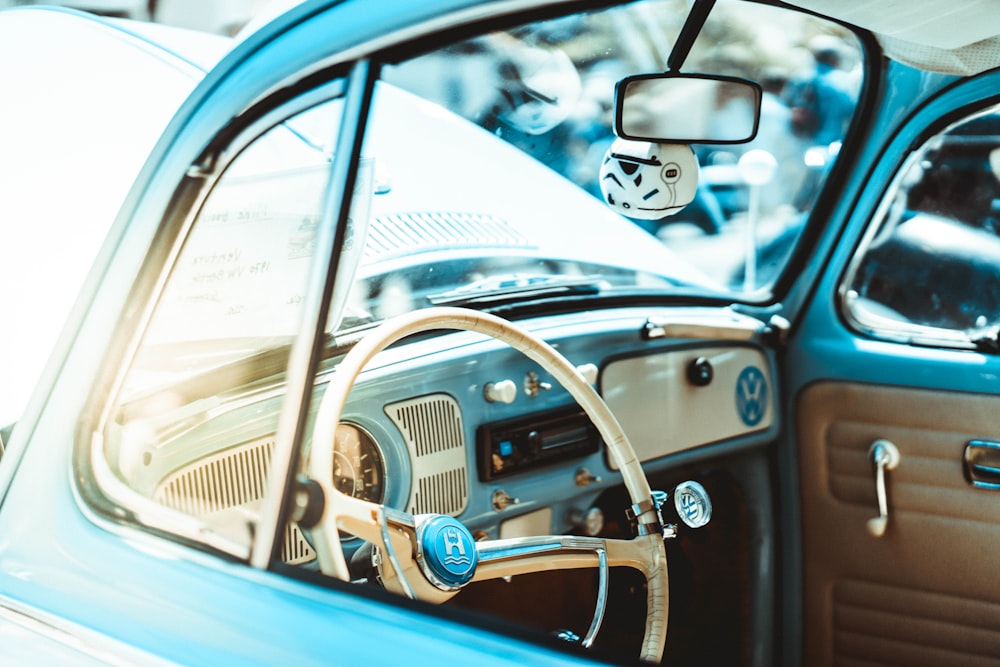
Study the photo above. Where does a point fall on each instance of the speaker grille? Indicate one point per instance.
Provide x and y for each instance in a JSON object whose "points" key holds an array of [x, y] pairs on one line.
{"points": [[234, 478], [432, 428], [225, 480]]}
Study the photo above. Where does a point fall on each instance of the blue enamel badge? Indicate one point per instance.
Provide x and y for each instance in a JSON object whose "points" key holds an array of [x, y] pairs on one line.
{"points": [[751, 395], [449, 552]]}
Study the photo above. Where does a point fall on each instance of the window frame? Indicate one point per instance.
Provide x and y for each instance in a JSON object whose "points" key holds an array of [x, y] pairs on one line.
{"points": [[99, 486]]}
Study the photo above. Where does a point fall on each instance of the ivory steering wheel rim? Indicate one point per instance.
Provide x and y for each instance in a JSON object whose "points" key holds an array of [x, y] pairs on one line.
{"points": [[367, 520]]}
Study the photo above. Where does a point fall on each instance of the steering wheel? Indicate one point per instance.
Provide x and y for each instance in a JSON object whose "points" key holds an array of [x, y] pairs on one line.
{"points": [[430, 557]]}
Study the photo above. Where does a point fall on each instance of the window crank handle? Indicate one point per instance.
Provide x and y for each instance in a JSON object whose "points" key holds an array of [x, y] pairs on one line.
{"points": [[884, 456]]}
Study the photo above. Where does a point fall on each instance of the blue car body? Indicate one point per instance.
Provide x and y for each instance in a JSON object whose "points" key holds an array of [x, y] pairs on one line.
{"points": [[86, 579]]}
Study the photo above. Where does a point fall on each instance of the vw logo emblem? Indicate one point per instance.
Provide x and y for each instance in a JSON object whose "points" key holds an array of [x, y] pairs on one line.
{"points": [[692, 503], [751, 395]]}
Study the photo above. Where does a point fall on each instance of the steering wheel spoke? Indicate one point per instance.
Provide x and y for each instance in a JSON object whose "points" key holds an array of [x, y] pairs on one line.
{"points": [[522, 555]]}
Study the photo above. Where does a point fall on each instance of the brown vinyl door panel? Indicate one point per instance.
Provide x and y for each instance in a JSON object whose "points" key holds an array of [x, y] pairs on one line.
{"points": [[927, 592]]}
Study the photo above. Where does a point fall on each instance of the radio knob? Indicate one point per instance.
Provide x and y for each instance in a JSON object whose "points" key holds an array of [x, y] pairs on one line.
{"points": [[535, 442], [504, 391]]}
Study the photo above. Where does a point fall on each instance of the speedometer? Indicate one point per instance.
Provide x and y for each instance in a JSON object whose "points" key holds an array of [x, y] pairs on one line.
{"points": [[358, 470]]}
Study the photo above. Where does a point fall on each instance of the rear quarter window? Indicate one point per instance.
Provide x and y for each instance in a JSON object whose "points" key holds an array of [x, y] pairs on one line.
{"points": [[930, 267]]}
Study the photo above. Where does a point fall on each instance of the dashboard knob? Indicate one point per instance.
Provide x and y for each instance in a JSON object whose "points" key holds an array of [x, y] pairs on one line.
{"points": [[700, 372], [504, 391], [584, 477], [533, 385], [589, 373], [502, 500]]}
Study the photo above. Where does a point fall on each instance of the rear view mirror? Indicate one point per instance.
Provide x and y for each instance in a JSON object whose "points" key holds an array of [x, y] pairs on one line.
{"points": [[687, 109]]}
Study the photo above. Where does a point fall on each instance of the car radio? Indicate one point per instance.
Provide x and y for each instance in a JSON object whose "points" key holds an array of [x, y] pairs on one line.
{"points": [[503, 448]]}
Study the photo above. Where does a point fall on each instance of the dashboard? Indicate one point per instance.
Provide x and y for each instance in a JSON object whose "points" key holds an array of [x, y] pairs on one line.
{"points": [[463, 425]]}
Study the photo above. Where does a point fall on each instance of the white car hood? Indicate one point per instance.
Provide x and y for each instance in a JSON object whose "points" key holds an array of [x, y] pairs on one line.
{"points": [[84, 104]]}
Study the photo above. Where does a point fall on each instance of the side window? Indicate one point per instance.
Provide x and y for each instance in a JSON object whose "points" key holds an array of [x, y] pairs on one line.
{"points": [[930, 268], [180, 448]]}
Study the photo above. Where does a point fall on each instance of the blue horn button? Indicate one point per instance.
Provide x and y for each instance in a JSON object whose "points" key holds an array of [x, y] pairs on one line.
{"points": [[449, 552]]}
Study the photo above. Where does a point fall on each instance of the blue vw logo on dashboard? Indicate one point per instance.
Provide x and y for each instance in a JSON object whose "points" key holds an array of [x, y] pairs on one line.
{"points": [[751, 395]]}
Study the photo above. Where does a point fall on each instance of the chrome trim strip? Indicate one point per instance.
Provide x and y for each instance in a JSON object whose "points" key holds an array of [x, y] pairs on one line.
{"points": [[853, 307], [111, 487], [523, 547], [150, 513], [602, 598], [866, 321], [708, 325]]}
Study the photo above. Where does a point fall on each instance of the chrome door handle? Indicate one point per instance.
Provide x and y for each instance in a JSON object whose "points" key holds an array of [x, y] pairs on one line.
{"points": [[884, 456], [982, 464]]}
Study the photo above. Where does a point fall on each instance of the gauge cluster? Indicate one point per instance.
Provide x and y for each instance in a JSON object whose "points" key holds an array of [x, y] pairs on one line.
{"points": [[358, 470]]}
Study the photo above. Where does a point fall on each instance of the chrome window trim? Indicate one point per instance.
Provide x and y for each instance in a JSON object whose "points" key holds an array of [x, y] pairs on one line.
{"points": [[851, 306]]}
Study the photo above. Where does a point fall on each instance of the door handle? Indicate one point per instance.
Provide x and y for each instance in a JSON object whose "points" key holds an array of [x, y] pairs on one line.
{"points": [[884, 456], [982, 464]]}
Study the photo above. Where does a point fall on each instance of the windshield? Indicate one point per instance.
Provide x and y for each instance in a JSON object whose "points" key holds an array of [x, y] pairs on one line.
{"points": [[547, 89], [480, 183]]}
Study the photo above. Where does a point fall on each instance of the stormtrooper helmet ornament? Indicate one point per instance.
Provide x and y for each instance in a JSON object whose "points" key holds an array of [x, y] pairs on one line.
{"points": [[646, 180]]}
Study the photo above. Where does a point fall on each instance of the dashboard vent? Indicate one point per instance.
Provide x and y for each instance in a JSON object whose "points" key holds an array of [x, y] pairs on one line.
{"points": [[234, 478], [432, 428], [408, 233]]}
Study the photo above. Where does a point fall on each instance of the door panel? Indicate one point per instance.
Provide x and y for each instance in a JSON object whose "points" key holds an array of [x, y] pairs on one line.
{"points": [[926, 592]]}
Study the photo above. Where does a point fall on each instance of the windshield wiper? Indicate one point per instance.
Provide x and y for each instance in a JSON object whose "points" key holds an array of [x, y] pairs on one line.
{"points": [[512, 288]]}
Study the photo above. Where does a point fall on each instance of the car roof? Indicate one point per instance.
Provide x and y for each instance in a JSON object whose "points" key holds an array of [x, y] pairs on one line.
{"points": [[937, 35]]}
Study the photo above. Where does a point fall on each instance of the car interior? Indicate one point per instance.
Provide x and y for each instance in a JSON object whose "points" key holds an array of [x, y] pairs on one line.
{"points": [[555, 356]]}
